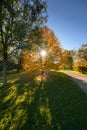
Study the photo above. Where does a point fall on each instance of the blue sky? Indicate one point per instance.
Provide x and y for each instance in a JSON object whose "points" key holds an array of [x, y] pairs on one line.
{"points": [[68, 20]]}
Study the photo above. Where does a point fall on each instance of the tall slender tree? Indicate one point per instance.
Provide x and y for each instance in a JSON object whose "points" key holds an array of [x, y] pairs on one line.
{"points": [[17, 20]]}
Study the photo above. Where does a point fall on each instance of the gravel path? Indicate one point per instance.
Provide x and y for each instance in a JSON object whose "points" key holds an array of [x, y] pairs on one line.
{"points": [[81, 79]]}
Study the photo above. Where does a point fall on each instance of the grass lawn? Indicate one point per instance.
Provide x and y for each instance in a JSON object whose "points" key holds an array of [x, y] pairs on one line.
{"points": [[57, 103]]}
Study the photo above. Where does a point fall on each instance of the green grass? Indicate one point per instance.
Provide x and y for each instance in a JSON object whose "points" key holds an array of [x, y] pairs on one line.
{"points": [[58, 103]]}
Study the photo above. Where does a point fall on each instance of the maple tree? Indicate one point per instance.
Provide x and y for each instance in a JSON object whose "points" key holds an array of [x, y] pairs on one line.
{"points": [[50, 43]]}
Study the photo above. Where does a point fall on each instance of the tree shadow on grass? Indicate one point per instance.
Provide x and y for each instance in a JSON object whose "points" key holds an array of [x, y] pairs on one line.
{"points": [[24, 106], [68, 104], [55, 104]]}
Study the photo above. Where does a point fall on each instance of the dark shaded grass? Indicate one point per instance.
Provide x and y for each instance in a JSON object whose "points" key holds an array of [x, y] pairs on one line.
{"points": [[56, 104], [67, 102]]}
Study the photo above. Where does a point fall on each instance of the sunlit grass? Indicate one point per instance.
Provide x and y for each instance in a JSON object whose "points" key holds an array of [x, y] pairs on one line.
{"points": [[31, 103], [40, 78]]}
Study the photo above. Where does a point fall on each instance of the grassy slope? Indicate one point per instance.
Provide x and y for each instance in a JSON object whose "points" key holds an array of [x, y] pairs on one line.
{"points": [[56, 104]]}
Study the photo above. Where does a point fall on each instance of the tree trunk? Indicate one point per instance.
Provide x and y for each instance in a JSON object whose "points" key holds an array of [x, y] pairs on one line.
{"points": [[4, 72], [42, 72], [4, 65]]}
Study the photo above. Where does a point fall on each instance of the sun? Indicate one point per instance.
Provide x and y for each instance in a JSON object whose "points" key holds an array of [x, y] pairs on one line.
{"points": [[43, 53]]}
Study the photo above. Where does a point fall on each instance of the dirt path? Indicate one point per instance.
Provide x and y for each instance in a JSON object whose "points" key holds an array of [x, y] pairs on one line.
{"points": [[81, 79]]}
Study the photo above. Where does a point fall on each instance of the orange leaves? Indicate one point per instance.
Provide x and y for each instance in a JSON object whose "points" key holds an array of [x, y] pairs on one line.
{"points": [[50, 38], [30, 61], [80, 66], [34, 61], [53, 45]]}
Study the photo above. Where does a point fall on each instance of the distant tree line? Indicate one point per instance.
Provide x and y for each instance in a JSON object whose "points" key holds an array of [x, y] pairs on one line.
{"points": [[75, 59], [80, 62]]}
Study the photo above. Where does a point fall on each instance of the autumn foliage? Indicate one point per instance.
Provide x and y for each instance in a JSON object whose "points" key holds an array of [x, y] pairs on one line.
{"points": [[32, 59], [80, 62]]}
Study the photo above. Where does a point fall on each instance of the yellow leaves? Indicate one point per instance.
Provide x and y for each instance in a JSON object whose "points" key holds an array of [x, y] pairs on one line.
{"points": [[50, 37], [32, 60], [52, 41], [80, 66]]}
